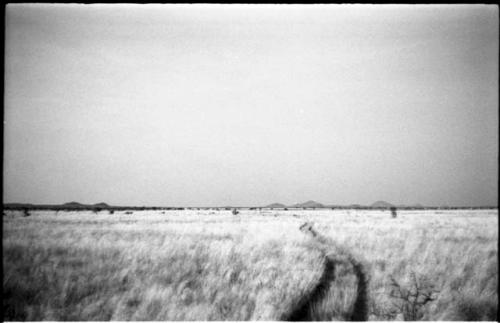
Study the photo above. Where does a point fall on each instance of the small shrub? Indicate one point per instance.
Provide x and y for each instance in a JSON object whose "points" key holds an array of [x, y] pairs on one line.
{"points": [[411, 300], [235, 212], [394, 214]]}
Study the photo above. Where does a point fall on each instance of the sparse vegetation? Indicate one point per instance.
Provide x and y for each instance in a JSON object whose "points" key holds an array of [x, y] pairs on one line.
{"points": [[193, 265]]}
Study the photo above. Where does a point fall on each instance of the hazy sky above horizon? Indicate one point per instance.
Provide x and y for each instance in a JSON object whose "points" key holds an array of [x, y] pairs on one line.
{"points": [[174, 105]]}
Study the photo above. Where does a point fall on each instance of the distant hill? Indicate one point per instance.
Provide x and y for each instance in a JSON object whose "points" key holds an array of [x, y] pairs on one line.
{"points": [[66, 206], [309, 204], [73, 205], [101, 205], [276, 206], [381, 204], [76, 205]]}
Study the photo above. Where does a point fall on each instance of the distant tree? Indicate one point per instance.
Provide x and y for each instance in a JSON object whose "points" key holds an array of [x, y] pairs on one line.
{"points": [[393, 212]]}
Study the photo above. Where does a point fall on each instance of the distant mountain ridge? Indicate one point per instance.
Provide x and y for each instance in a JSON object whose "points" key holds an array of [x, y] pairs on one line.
{"points": [[310, 203], [70, 205], [73, 205], [76, 205], [314, 204], [276, 206]]}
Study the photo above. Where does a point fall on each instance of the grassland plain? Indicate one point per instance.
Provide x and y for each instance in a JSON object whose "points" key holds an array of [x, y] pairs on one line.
{"points": [[213, 265]]}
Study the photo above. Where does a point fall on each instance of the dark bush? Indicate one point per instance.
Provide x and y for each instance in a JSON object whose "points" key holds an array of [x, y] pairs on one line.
{"points": [[470, 308], [410, 300]]}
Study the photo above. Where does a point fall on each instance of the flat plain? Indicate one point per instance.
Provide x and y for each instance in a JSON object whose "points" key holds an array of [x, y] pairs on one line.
{"points": [[214, 265]]}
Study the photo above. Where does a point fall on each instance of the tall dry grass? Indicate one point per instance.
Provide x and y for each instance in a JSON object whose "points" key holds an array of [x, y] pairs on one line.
{"points": [[205, 265]]}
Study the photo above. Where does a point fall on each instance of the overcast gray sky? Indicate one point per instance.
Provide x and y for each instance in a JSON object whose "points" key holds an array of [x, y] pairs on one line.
{"points": [[248, 105]]}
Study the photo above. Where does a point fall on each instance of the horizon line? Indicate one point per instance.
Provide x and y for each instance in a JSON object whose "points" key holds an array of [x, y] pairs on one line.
{"points": [[296, 205]]}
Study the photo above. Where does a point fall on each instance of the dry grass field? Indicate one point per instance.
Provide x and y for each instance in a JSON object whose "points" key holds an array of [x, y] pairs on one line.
{"points": [[213, 265]]}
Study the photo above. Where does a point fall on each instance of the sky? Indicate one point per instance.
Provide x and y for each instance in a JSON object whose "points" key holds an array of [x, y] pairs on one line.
{"points": [[246, 105]]}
